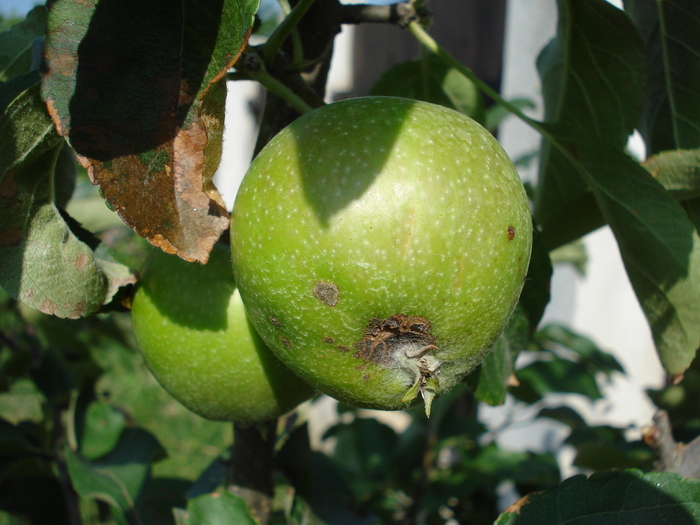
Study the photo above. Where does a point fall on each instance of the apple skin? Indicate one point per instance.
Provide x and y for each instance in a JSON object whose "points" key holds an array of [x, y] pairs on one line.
{"points": [[380, 245], [194, 336]]}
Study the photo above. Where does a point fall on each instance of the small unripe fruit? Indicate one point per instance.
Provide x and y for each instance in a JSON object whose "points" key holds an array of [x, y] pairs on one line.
{"points": [[196, 339], [380, 245]]}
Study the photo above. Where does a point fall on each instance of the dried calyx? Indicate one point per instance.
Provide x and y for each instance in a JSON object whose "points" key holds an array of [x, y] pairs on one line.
{"points": [[404, 342]]}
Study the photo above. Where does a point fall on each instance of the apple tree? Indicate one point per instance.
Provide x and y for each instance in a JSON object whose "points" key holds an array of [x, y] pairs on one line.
{"points": [[139, 385]]}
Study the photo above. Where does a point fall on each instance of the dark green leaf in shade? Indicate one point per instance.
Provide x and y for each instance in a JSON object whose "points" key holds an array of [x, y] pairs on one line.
{"points": [[16, 44], [43, 263], [536, 291], [218, 509], [671, 31], [554, 376], [9, 91], [605, 447], [15, 441], [119, 478], [364, 450], [162, 496], [680, 402], [678, 171], [611, 498], [319, 482], [587, 352], [39, 499], [7, 518], [496, 370], [431, 79], [593, 75], [600, 447], [495, 373], [659, 245], [138, 89]]}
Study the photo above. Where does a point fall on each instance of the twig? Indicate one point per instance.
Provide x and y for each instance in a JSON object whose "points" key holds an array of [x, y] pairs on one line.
{"points": [[400, 14], [289, 24], [252, 65], [672, 456], [251, 466]]}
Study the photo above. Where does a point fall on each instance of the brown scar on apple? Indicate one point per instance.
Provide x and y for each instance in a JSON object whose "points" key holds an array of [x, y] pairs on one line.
{"points": [[325, 292], [383, 338]]}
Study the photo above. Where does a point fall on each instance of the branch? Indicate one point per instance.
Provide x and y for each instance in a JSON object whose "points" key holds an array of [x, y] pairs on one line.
{"points": [[681, 458], [400, 14], [251, 466], [253, 66]]}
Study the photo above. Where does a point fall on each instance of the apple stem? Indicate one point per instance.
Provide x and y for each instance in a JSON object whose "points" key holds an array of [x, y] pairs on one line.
{"points": [[250, 468], [254, 67], [287, 27], [429, 43]]}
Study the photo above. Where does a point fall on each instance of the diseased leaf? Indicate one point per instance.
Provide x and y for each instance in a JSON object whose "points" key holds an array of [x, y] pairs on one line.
{"points": [[593, 76], [678, 171], [42, 262], [659, 245], [138, 90], [611, 498], [671, 31], [16, 54]]}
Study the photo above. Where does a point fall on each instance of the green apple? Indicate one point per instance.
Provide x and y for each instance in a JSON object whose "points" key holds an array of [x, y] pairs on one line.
{"points": [[196, 339], [380, 245]]}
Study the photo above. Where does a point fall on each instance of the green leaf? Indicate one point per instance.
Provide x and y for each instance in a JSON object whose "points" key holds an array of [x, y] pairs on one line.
{"points": [[218, 509], [43, 263], [431, 79], [497, 113], [16, 44], [659, 245], [119, 478], [152, 139], [678, 171], [593, 75], [612, 498], [102, 429], [671, 31]]}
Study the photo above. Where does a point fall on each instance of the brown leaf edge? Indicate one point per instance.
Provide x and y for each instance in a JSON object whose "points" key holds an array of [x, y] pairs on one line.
{"points": [[188, 178]]}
